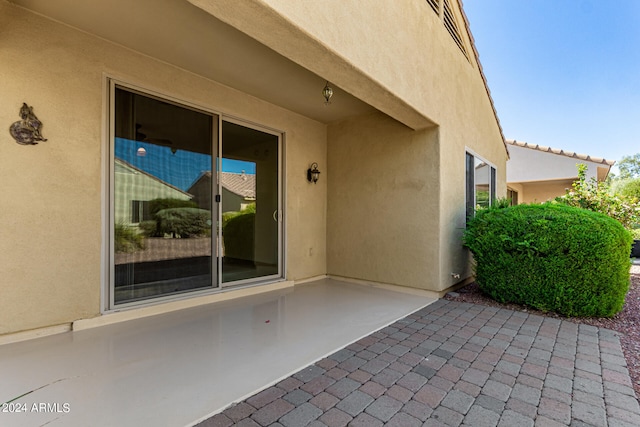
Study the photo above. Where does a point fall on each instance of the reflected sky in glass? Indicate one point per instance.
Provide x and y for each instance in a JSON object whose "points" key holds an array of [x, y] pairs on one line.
{"points": [[180, 169]]}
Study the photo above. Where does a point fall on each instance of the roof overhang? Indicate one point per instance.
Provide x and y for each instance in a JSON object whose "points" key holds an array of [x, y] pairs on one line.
{"points": [[191, 35]]}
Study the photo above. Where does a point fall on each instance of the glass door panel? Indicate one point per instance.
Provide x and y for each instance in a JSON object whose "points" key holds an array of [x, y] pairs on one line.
{"points": [[249, 185], [164, 219]]}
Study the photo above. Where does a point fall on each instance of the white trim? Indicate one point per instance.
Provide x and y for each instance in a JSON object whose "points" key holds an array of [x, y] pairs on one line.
{"points": [[166, 307], [34, 333], [491, 166], [481, 157], [105, 197]]}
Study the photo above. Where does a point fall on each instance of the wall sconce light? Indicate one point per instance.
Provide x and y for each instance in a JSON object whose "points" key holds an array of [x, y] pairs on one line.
{"points": [[327, 93], [313, 173]]}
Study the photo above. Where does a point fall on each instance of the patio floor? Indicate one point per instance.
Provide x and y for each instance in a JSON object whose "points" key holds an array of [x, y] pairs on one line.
{"points": [[180, 368]]}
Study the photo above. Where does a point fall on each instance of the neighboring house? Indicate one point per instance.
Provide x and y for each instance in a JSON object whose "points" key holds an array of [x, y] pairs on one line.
{"points": [[406, 147], [136, 188], [238, 190], [536, 173]]}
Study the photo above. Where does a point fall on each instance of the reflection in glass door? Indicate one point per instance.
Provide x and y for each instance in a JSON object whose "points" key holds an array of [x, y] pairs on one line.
{"points": [[195, 200], [163, 221], [250, 203]]}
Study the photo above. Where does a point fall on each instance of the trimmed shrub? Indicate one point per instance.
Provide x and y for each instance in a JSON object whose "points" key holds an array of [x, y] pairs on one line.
{"points": [[157, 205], [184, 222], [551, 257]]}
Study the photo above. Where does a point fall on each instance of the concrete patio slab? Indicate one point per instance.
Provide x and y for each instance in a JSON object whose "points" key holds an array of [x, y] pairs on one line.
{"points": [[178, 368]]}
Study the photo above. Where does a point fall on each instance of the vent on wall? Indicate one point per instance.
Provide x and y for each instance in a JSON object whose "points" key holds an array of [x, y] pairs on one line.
{"points": [[435, 5], [452, 26]]}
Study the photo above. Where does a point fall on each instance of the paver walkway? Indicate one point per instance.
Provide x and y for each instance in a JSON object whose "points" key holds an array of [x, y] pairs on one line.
{"points": [[453, 364]]}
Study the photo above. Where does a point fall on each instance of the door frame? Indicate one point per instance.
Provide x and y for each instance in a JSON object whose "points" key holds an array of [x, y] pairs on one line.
{"points": [[108, 269], [280, 229]]}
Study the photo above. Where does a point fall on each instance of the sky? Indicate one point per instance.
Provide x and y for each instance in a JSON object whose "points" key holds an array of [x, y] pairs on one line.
{"points": [[563, 73], [180, 169]]}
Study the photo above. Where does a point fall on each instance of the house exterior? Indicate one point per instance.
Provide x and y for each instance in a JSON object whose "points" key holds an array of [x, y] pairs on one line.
{"points": [[136, 188], [238, 190], [405, 145], [536, 173]]}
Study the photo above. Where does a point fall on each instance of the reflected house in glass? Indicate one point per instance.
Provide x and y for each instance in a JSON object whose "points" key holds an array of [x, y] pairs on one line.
{"points": [[136, 188], [238, 190]]}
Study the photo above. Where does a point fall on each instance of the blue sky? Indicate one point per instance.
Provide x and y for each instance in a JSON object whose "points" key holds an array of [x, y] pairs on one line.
{"points": [[180, 169], [563, 73]]}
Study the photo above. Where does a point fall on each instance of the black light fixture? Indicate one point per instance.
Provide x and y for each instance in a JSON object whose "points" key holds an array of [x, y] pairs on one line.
{"points": [[327, 93], [313, 173]]}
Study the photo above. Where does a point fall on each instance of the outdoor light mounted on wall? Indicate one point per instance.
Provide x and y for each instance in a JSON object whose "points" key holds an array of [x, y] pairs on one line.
{"points": [[313, 173], [327, 93]]}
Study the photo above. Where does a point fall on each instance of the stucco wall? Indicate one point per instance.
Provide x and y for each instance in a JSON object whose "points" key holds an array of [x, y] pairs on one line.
{"points": [[52, 204], [539, 192], [399, 58], [383, 202], [527, 164]]}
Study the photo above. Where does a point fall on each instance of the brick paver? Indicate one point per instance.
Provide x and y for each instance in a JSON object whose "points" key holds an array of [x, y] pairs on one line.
{"points": [[456, 364]]}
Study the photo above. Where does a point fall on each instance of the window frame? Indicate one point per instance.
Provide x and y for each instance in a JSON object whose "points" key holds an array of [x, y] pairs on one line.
{"points": [[470, 182], [108, 304]]}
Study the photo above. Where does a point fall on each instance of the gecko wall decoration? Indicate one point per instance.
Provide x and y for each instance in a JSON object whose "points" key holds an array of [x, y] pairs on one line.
{"points": [[27, 131]]}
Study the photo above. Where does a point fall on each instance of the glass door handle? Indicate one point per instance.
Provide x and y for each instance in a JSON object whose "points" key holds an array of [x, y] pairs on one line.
{"points": [[275, 215]]}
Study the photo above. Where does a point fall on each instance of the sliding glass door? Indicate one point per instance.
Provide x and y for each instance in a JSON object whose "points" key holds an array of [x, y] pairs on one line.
{"points": [[195, 200], [250, 203]]}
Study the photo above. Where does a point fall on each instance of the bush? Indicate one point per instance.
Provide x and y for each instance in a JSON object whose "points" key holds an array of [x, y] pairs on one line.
{"points": [[149, 228], [157, 205], [127, 239], [551, 257], [629, 188], [238, 229], [596, 196], [184, 222]]}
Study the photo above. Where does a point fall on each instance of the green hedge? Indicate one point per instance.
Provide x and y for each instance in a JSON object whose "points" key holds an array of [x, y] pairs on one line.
{"points": [[157, 205], [184, 222], [551, 257], [238, 229]]}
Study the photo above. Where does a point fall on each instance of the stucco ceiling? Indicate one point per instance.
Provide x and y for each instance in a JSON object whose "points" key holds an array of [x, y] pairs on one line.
{"points": [[183, 35]]}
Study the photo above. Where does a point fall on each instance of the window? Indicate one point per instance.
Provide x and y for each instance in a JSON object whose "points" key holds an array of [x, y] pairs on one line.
{"points": [[140, 211], [512, 195], [480, 184]]}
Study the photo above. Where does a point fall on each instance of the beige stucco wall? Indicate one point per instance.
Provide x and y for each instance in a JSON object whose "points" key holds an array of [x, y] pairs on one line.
{"points": [[383, 202], [399, 58], [52, 204], [539, 192]]}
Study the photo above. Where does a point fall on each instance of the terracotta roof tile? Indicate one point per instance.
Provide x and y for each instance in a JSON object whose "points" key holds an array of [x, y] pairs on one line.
{"points": [[242, 184]]}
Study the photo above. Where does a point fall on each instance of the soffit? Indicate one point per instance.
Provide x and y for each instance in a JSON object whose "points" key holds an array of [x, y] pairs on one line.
{"points": [[183, 35]]}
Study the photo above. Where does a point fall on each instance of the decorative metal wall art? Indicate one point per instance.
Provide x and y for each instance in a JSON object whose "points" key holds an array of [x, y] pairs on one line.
{"points": [[27, 131]]}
